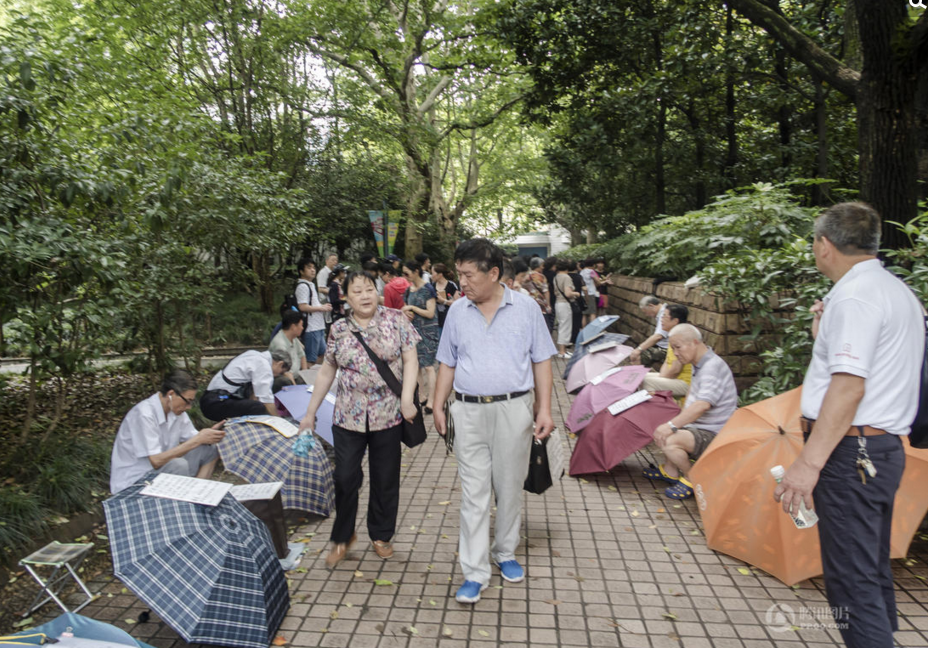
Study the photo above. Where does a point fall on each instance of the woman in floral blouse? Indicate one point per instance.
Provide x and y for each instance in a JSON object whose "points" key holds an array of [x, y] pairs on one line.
{"points": [[368, 415]]}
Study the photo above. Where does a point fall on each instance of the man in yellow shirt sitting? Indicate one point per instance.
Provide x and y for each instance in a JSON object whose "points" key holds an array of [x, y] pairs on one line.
{"points": [[674, 376]]}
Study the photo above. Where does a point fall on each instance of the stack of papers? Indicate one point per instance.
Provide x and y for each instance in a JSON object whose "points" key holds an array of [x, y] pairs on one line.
{"points": [[629, 402], [247, 492], [187, 489]]}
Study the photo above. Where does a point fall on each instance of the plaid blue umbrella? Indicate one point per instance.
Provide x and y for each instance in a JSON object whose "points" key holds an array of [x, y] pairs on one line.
{"points": [[258, 453], [209, 572], [597, 326], [581, 350]]}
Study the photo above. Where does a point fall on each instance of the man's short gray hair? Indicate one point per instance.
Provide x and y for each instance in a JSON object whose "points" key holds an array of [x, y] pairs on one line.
{"points": [[649, 300], [280, 356], [685, 331], [852, 227]]}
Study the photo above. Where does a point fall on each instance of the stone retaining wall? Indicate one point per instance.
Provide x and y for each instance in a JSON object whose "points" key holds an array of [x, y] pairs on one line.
{"points": [[721, 324]]}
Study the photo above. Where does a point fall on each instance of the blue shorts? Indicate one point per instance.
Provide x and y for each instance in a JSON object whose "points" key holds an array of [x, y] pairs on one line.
{"points": [[314, 343]]}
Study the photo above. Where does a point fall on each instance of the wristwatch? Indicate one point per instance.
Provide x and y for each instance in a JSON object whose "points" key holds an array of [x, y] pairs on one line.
{"points": [[673, 427]]}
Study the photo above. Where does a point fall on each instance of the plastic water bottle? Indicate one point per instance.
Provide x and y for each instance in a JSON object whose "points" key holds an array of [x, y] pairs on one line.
{"points": [[804, 518]]}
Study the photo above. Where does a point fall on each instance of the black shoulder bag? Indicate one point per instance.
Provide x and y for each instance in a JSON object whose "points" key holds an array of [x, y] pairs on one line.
{"points": [[918, 436], [577, 305], [413, 433]]}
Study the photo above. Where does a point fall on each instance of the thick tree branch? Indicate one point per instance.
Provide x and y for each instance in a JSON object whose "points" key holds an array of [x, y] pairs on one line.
{"points": [[366, 76], [800, 46], [429, 101], [483, 122]]}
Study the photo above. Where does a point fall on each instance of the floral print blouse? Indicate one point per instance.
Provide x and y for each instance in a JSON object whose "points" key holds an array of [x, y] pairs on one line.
{"points": [[363, 401]]}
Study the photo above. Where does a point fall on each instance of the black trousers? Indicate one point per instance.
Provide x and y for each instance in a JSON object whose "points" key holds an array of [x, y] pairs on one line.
{"points": [[216, 408], [577, 323], [383, 452], [855, 523]]}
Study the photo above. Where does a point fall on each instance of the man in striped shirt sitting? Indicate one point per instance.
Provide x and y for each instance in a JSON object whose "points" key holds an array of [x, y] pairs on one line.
{"points": [[711, 401]]}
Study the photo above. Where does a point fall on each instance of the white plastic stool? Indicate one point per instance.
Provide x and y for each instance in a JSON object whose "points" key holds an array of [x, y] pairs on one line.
{"points": [[65, 560]]}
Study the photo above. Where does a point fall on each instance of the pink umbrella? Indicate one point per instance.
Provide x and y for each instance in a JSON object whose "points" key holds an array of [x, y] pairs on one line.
{"points": [[595, 398], [593, 364], [608, 440]]}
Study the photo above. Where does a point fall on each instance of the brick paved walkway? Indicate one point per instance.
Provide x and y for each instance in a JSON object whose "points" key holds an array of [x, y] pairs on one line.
{"points": [[609, 562]]}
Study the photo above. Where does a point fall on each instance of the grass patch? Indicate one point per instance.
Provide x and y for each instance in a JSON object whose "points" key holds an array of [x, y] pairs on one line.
{"points": [[22, 518]]}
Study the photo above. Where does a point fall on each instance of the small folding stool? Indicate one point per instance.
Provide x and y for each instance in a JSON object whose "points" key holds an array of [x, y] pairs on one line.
{"points": [[65, 560]]}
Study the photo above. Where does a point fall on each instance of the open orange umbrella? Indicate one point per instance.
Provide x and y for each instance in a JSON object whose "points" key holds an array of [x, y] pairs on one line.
{"points": [[734, 491]]}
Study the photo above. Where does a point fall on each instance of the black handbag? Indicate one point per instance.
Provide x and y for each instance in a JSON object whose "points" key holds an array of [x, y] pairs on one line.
{"points": [[577, 305], [539, 472], [918, 435], [413, 432]]}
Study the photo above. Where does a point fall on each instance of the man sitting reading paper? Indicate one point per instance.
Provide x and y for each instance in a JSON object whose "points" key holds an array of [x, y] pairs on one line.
{"points": [[157, 434]]}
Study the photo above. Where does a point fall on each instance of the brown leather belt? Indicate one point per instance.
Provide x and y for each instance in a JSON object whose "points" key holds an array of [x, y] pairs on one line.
{"points": [[855, 430]]}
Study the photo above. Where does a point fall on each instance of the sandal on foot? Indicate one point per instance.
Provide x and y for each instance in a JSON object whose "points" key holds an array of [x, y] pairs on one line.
{"points": [[658, 472], [682, 490]]}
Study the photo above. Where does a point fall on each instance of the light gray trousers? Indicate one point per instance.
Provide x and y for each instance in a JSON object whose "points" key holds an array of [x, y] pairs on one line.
{"points": [[189, 465], [492, 443]]}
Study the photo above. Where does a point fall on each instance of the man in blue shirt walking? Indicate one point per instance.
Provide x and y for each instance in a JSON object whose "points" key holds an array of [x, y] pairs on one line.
{"points": [[495, 349]]}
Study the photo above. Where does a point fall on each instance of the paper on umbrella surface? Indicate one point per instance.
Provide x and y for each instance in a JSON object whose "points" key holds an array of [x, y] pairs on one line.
{"points": [[603, 346], [601, 377], [76, 642], [187, 489], [247, 492], [283, 426], [629, 401]]}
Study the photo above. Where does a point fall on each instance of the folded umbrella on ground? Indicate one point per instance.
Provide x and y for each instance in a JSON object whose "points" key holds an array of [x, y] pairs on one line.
{"points": [[593, 399], [734, 490], [608, 440], [209, 572], [258, 453], [593, 364], [582, 349]]}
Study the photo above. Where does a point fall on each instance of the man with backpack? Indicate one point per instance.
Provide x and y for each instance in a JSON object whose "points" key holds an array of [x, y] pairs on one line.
{"points": [[309, 303]]}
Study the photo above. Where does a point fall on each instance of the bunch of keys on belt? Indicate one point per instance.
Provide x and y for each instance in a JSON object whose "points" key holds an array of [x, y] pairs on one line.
{"points": [[865, 467]]}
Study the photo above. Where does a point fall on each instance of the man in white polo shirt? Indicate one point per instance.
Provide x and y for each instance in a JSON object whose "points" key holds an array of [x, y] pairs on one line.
{"points": [[859, 397], [157, 434]]}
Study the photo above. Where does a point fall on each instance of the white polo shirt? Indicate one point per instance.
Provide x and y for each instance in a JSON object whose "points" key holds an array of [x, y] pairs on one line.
{"points": [[872, 327], [250, 367], [663, 343], [145, 431]]}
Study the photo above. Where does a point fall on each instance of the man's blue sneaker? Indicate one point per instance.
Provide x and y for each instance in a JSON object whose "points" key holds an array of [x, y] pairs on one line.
{"points": [[469, 592], [511, 571]]}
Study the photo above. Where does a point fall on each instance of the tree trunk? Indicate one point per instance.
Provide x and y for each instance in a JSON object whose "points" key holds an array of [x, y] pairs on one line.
{"points": [[660, 183], [887, 128], [731, 136], [820, 193], [261, 264], [30, 401]]}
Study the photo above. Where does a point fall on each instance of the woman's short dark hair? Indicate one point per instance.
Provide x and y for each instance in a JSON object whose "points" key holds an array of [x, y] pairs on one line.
{"points": [[481, 252], [550, 263], [290, 318], [333, 276], [413, 266], [422, 257], [358, 275], [562, 265], [178, 381], [442, 269], [518, 266]]}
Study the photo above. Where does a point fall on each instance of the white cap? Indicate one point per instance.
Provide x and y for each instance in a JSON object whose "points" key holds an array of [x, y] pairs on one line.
{"points": [[778, 472]]}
